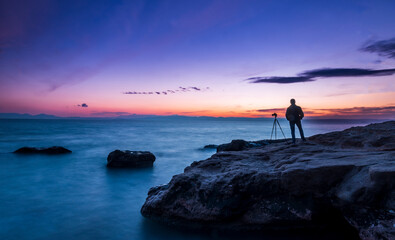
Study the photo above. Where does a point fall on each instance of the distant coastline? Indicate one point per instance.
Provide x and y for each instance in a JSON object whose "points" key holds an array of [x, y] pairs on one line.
{"points": [[42, 116]]}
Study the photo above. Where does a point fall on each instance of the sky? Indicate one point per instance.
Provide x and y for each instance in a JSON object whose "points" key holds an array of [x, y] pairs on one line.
{"points": [[228, 58]]}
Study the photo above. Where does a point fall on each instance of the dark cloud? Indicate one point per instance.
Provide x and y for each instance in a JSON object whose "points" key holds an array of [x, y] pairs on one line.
{"points": [[84, 105], [281, 80], [384, 48], [346, 72], [180, 89], [312, 75], [361, 110], [269, 110]]}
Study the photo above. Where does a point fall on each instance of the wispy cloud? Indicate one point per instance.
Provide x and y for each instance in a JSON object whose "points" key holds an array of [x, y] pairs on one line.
{"points": [[74, 76], [196, 112], [385, 48], [359, 110], [169, 91], [353, 112]]}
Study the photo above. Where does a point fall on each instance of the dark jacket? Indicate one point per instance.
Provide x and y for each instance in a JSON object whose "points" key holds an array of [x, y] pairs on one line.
{"points": [[294, 113]]}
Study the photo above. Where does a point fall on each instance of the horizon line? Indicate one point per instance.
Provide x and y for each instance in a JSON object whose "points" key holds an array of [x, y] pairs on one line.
{"points": [[130, 116]]}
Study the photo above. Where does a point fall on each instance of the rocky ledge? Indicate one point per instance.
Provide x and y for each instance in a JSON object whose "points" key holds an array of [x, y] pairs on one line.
{"points": [[49, 150], [340, 177]]}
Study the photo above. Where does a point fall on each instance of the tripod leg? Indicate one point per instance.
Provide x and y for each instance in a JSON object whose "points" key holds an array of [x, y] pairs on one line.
{"points": [[274, 125], [275, 130], [282, 131]]}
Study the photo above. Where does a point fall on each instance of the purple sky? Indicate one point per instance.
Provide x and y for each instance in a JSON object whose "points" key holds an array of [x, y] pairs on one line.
{"points": [[217, 58]]}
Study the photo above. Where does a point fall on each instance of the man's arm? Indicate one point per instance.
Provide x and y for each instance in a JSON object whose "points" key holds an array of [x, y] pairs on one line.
{"points": [[301, 114], [286, 114]]}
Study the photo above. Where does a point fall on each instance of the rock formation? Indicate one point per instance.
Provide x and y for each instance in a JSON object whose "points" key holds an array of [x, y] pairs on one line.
{"points": [[339, 177], [127, 158], [50, 150], [210, 146]]}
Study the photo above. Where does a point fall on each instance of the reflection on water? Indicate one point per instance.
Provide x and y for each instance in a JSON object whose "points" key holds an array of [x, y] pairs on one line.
{"points": [[75, 196]]}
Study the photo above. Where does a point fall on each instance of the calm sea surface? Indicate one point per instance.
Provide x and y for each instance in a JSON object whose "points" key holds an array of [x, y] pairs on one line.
{"points": [[74, 196]]}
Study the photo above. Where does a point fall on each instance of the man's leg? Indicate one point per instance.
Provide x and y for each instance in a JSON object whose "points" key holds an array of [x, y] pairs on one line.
{"points": [[292, 125], [299, 124]]}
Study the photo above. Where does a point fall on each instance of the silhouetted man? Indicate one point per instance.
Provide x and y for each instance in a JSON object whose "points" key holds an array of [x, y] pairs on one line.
{"points": [[294, 115]]}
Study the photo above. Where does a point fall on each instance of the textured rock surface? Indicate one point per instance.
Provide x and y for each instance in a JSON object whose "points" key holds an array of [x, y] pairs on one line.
{"points": [[235, 145], [341, 176], [374, 137], [50, 150], [240, 145], [127, 158]]}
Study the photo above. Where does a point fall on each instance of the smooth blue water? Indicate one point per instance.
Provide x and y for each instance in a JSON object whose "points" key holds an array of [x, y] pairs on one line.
{"points": [[74, 196]]}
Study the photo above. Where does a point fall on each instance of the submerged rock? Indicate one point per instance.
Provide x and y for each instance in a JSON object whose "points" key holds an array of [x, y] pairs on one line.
{"points": [[326, 181], [127, 158], [50, 150]]}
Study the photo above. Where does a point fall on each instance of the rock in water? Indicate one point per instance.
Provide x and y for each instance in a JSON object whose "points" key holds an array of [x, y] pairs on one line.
{"points": [[343, 177], [50, 150], [127, 158]]}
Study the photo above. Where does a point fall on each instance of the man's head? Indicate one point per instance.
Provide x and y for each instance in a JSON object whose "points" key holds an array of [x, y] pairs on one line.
{"points": [[292, 101]]}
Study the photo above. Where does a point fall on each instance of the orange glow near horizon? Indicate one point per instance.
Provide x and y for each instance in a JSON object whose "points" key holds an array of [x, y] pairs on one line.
{"points": [[381, 112], [232, 100]]}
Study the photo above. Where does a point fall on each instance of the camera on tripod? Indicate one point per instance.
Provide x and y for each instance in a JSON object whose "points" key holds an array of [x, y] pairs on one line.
{"points": [[274, 129]]}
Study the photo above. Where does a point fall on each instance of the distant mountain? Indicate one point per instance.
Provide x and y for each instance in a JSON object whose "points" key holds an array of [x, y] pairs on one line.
{"points": [[134, 116], [26, 116], [180, 117], [131, 116]]}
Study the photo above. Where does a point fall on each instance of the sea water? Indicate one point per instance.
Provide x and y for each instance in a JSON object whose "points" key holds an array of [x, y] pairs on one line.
{"points": [[74, 196]]}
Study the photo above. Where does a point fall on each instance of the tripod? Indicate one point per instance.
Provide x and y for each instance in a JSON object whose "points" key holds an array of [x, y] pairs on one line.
{"points": [[275, 128]]}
